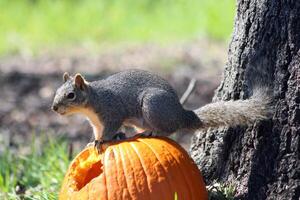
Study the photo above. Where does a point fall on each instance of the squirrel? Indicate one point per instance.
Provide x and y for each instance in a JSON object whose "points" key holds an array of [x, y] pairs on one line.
{"points": [[146, 101]]}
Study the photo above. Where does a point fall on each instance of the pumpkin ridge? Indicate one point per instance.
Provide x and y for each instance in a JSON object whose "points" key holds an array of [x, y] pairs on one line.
{"points": [[182, 172], [187, 162], [122, 168], [169, 155], [105, 178], [112, 170], [178, 180], [115, 166], [157, 157], [135, 150], [129, 150], [157, 170], [88, 189]]}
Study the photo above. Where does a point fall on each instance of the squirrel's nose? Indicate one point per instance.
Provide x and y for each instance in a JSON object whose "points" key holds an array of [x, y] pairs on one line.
{"points": [[55, 107]]}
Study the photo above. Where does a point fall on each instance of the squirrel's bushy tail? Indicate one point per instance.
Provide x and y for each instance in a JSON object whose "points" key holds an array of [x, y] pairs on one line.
{"points": [[259, 79], [239, 112]]}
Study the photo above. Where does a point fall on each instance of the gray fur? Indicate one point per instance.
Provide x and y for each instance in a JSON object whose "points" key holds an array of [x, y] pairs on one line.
{"points": [[61, 100], [137, 97], [239, 112], [145, 100]]}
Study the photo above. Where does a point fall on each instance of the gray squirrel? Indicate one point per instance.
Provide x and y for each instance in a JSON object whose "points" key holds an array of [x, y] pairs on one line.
{"points": [[144, 100]]}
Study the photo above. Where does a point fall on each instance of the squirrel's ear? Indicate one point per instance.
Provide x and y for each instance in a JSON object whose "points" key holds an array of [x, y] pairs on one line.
{"points": [[66, 77], [80, 82]]}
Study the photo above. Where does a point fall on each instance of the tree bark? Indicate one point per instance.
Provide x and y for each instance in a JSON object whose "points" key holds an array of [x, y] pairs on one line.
{"points": [[262, 161]]}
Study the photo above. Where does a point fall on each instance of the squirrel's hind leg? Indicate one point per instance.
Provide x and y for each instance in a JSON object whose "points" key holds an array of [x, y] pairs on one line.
{"points": [[162, 111]]}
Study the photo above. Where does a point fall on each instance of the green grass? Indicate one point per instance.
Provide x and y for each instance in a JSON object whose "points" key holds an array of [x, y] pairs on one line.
{"points": [[221, 191], [36, 175], [31, 25]]}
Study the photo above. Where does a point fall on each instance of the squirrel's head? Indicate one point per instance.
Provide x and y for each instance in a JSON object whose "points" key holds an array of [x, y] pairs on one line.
{"points": [[71, 96]]}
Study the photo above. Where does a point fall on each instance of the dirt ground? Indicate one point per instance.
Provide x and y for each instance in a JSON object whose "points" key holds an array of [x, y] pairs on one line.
{"points": [[28, 83]]}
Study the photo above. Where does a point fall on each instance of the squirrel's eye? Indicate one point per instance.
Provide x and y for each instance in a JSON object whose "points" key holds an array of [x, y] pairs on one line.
{"points": [[71, 95]]}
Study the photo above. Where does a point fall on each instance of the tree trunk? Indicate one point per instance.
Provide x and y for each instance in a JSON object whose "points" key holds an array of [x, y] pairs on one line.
{"points": [[262, 161]]}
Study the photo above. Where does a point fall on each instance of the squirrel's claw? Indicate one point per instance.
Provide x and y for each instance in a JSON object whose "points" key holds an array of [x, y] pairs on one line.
{"points": [[98, 145], [90, 144]]}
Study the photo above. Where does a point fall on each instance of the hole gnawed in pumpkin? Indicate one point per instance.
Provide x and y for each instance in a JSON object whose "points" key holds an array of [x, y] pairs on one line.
{"points": [[85, 169], [131, 170]]}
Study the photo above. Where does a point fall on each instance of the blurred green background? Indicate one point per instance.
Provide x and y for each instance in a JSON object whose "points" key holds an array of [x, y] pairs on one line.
{"points": [[31, 25], [178, 39]]}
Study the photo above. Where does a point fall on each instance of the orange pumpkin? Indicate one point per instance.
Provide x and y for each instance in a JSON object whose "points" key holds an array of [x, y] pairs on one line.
{"points": [[140, 168]]}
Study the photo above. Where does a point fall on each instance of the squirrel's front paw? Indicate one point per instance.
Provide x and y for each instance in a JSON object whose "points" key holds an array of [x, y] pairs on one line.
{"points": [[90, 144], [97, 144]]}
